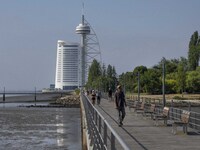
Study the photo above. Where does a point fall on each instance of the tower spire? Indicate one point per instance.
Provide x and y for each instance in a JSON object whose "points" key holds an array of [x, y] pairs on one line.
{"points": [[88, 49], [83, 13]]}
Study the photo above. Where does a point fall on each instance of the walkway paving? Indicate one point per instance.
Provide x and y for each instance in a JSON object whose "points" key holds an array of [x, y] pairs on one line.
{"points": [[140, 133]]}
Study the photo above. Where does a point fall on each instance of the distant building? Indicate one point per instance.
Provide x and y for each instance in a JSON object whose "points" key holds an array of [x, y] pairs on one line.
{"points": [[52, 86], [68, 71]]}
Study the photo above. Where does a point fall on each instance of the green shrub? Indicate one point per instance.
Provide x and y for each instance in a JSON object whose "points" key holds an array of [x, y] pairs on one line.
{"points": [[179, 98], [77, 91]]}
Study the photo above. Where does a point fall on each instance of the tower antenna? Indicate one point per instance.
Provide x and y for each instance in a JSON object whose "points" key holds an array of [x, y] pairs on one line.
{"points": [[90, 48], [82, 8], [83, 13]]}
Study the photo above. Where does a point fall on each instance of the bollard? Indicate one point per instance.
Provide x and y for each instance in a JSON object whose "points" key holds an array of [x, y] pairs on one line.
{"points": [[35, 96], [172, 103], [189, 106], [4, 94], [4, 97]]}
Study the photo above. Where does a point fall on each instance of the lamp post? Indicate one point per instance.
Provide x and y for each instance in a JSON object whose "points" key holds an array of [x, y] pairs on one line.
{"points": [[138, 75], [138, 86], [163, 81], [35, 96], [4, 92], [133, 85], [124, 84]]}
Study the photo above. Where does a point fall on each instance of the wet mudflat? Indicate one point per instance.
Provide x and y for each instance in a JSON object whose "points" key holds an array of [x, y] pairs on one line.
{"points": [[39, 128]]}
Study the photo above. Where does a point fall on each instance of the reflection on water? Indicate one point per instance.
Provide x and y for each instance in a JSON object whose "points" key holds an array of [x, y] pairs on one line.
{"points": [[60, 141], [7, 105], [60, 130], [59, 124], [40, 128]]}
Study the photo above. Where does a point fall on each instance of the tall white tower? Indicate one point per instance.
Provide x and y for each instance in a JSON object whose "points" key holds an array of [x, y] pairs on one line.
{"points": [[84, 30], [67, 66]]}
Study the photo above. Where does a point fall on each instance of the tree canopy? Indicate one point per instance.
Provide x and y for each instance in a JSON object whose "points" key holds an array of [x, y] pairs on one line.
{"points": [[194, 51], [182, 74]]}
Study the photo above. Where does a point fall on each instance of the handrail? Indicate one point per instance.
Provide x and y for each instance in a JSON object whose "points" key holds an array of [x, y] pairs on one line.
{"points": [[100, 139], [175, 114], [194, 121]]}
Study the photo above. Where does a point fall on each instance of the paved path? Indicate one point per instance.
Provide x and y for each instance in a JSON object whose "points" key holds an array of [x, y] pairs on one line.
{"points": [[140, 133]]}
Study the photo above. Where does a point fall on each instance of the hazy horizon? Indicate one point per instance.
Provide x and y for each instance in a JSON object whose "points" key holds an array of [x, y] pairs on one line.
{"points": [[130, 33]]}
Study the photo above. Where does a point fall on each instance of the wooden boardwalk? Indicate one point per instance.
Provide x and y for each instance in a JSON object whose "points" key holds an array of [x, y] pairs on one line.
{"points": [[140, 133]]}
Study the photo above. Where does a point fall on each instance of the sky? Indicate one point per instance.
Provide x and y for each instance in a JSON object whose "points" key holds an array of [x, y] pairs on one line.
{"points": [[130, 32]]}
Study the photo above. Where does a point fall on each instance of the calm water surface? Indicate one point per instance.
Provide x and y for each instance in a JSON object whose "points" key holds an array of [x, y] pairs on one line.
{"points": [[39, 128]]}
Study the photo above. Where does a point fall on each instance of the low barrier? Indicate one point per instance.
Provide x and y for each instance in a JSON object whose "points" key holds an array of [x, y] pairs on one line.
{"points": [[175, 114], [194, 121], [102, 136]]}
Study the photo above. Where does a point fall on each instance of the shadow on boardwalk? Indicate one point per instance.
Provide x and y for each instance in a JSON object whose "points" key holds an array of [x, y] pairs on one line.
{"points": [[140, 133]]}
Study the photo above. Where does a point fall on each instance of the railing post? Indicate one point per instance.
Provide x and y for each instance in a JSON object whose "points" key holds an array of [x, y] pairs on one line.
{"points": [[172, 106], [91, 129], [105, 134], [92, 134], [196, 123], [93, 113], [100, 125], [96, 118], [112, 141]]}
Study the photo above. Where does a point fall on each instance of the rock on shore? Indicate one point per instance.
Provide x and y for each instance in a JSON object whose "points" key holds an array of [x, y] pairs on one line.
{"points": [[69, 100]]}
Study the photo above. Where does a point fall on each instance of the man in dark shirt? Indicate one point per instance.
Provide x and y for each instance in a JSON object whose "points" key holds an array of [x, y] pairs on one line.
{"points": [[120, 103], [110, 94]]}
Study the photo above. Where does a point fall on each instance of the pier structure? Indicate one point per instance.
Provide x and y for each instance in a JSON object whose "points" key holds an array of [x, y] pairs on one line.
{"points": [[138, 132]]}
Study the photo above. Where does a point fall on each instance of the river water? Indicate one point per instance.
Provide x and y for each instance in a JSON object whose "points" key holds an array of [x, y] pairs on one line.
{"points": [[39, 128]]}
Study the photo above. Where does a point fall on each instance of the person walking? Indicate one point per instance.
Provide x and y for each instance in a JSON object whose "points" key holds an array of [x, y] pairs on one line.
{"points": [[93, 97], [120, 103], [98, 97], [110, 94]]}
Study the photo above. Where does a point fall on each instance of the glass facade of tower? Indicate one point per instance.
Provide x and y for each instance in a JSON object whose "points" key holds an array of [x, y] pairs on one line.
{"points": [[67, 66]]}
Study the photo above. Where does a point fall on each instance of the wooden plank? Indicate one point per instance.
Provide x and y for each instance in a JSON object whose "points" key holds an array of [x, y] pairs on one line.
{"points": [[140, 133]]}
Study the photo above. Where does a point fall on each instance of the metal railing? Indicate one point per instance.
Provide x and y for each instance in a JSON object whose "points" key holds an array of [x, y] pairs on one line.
{"points": [[101, 134], [175, 114], [194, 121]]}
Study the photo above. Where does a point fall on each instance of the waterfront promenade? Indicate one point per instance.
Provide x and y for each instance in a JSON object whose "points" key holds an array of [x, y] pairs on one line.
{"points": [[140, 133]]}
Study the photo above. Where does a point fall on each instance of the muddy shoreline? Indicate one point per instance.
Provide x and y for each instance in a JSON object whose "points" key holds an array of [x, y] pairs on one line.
{"points": [[36, 128]]}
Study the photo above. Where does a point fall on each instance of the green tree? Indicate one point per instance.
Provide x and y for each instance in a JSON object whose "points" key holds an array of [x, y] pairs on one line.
{"points": [[94, 74], [126, 80], [181, 75], [170, 86], [193, 81], [103, 80], [152, 81], [170, 65], [111, 77], [140, 69], [194, 51]]}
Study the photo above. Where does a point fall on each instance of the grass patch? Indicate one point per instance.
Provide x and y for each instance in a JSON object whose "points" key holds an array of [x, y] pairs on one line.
{"points": [[179, 98]]}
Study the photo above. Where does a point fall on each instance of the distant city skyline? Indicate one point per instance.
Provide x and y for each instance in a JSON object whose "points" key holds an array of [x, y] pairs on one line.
{"points": [[131, 33]]}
